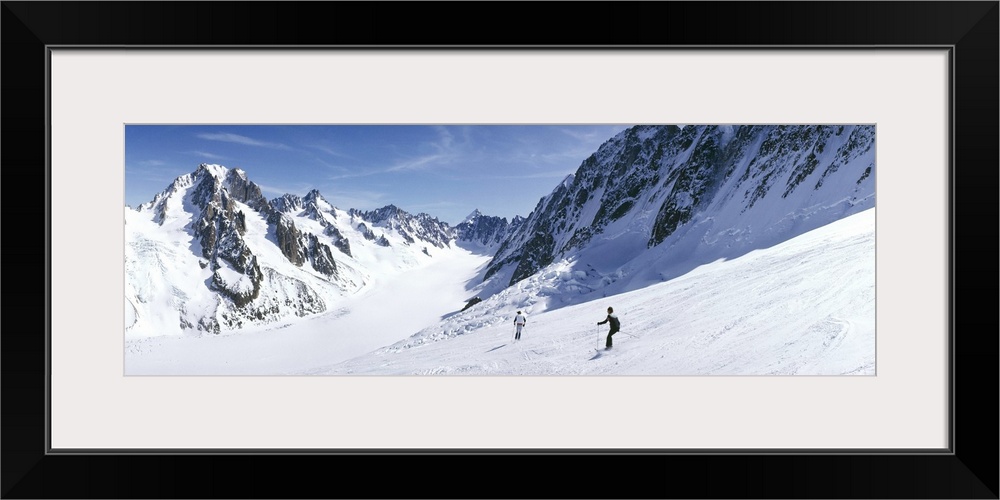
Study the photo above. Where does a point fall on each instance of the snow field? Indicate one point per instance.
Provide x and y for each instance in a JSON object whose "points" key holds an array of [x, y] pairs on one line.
{"points": [[803, 307]]}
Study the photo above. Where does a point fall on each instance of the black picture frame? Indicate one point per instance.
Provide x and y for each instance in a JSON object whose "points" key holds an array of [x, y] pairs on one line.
{"points": [[968, 470]]}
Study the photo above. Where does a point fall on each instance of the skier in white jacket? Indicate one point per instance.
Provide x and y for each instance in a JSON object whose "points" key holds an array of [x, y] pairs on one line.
{"points": [[519, 322]]}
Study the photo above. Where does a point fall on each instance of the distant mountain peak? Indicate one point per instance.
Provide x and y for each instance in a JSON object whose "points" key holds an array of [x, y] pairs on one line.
{"points": [[568, 180], [488, 231], [239, 173], [473, 216], [213, 169], [315, 198]]}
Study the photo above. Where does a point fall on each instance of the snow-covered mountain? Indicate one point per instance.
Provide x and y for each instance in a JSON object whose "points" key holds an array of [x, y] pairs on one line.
{"points": [[212, 254], [654, 202]]}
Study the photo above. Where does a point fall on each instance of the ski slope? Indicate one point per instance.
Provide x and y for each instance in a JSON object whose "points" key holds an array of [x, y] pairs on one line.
{"points": [[802, 307]]}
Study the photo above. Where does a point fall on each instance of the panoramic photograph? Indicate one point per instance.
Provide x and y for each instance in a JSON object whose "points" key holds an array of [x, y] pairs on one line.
{"points": [[500, 250]]}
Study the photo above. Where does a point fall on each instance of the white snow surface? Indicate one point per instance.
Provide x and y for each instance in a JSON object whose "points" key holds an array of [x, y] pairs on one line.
{"points": [[805, 306]]}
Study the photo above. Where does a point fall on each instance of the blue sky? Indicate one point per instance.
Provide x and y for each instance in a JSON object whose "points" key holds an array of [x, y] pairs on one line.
{"points": [[444, 171]]}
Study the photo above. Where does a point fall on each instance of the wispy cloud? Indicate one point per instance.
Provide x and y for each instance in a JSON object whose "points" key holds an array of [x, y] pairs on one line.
{"points": [[445, 138], [405, 165], [326, 164], [330, 151], [419, 163], [210, 156], [151, 163], [581, 135], [408, 165], [593, 135], [241, 139], [448, 149], [356, 174]]}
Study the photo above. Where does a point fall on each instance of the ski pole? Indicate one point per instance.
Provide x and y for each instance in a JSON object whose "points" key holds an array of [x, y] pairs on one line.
{"points": [[629, 334]]}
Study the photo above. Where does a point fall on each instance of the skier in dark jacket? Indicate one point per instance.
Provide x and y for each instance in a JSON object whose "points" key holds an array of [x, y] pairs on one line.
{"points": [[615, 325]]}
